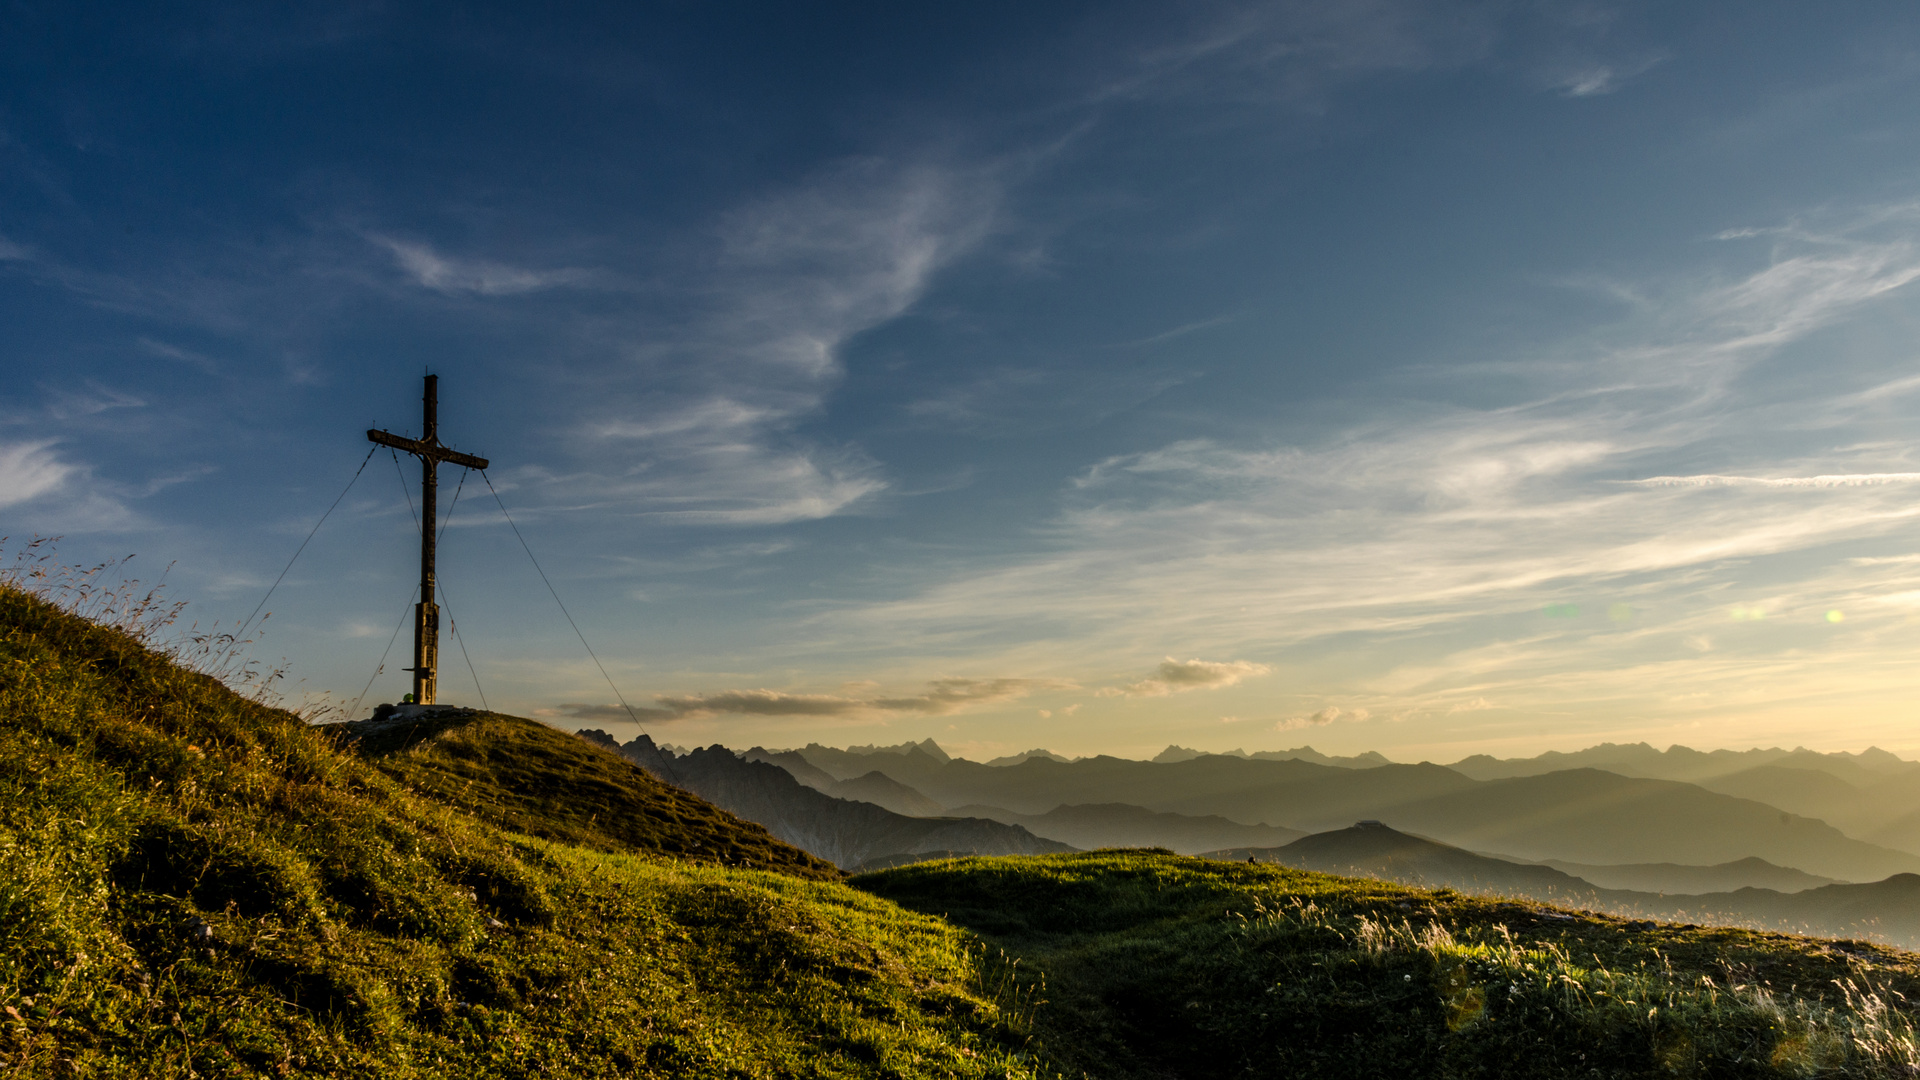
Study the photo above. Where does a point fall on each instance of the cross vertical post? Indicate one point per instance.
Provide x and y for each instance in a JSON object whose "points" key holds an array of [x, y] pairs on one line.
{"points": [[426, 614]]}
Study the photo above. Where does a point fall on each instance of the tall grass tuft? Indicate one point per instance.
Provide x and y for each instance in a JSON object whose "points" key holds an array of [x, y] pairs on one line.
{"points": [[1685, 1019], [103, 594]]}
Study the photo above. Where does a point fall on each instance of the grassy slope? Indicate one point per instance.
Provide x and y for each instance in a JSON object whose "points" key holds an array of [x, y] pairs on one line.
{"points": [[1157, 965], [530, 778], [194, 885]]}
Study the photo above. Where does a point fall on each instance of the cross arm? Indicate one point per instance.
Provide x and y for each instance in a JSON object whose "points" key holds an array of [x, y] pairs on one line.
{"points": [[422, 448]]}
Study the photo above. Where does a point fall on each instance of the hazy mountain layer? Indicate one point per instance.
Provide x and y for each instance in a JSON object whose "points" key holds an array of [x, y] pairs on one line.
{"points": [[875, 787], [1301, 753], [860, 760], [789, 760], [844, 832], [1294, 794], [1590, 816], [1676, 878], [1117, 825], [1872, 795], [1374, 850], [847, 764], [880, 789], [1015, 759], [1887, 910], [925, 746], [1583, 815], [1693, 766]]}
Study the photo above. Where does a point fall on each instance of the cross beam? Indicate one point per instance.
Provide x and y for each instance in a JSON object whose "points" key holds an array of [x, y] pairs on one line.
{"points": [[426, 614]]}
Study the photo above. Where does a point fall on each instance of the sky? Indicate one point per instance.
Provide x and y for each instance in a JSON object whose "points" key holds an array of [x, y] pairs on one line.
{"points": [[1428, 378]]}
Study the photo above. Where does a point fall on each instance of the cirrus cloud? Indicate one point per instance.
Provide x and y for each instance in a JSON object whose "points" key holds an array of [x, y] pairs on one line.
{"points": [[447, 274]]}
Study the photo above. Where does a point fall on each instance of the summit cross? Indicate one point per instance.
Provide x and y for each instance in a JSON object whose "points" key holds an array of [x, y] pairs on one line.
{"points": [[426, 614]]}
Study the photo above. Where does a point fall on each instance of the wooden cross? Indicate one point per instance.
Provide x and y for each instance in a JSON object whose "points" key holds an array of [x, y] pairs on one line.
{"points": [[426, 614]]}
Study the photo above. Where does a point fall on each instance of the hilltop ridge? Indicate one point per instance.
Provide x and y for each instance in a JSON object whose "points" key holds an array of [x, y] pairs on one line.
{"points": [[527, 777]]}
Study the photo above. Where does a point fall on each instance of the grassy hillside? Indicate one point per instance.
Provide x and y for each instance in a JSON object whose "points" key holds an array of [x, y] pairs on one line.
{"points": [[1156, 965], [194, 885], [529, 778]]}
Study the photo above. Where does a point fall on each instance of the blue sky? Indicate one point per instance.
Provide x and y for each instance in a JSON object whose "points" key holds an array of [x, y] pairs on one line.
{"points": [[1429, 378]]}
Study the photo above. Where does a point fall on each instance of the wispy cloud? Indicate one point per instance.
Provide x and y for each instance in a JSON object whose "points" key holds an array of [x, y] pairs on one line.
{"points": [[1297, 52], [448, 274], [804, 270], [93, 398], [941, 697], [174, 352], [1179, 676], [761, 703], [790, 278], [609, 714], [1592, 78], [30, 470], [1325, 716], [1840, 480], [1301, 54], [1175, 333]]}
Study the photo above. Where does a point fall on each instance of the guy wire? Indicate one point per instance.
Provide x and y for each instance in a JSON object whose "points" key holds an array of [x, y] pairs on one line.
{"points": [[304, 543], [665, 756]]}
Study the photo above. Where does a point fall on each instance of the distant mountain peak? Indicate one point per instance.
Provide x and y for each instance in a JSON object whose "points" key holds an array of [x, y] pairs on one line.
{"points": [[1022, 758], [926, 746], [1175, 753], [1688, 765]]}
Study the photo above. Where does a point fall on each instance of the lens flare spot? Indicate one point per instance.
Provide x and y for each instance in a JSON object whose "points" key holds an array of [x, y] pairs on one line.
{"points": [[1620, 613], [1836, 615], [1562, 611], [1748, 614]]}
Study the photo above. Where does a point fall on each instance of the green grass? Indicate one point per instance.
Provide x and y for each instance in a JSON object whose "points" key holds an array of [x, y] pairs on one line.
{"points": [[193, 884], [529, 778], [1151, 965]]}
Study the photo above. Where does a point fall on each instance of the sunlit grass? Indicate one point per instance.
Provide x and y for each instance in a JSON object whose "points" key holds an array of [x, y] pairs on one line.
{"points": [[1156, 964]]}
